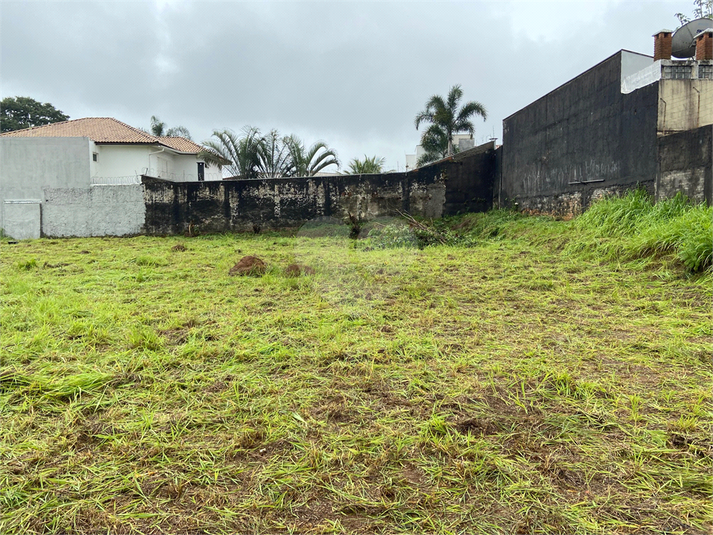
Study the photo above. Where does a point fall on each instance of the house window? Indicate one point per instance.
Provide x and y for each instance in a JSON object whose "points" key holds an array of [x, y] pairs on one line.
{"points": [[677, 72], [705, 71], [94, 156]]}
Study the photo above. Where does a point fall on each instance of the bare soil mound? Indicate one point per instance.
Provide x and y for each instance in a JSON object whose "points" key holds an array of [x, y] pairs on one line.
{"points": [[249, 265]]}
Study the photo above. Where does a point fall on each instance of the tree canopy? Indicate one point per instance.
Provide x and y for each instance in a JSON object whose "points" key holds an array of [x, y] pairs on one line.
{"points": [[253, 155], [159, 129], [701, 9], [369, 165], [17, 113], [446, 118]]}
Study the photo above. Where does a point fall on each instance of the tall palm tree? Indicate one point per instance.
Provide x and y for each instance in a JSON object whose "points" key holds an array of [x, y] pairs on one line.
{"points": [[309, 162], [366, 166], [274, 156], [241, 151], [447, 118]]}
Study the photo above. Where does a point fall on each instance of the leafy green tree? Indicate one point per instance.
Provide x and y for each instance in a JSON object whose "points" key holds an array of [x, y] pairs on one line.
{"points": [[241, 151], [446, 118], [702, 9], [366, 166], [159, 129], [17, 113], [309, 162]]}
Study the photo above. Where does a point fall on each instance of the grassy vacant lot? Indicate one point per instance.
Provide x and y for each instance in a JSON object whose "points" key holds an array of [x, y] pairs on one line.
{"points": [[519, 384]]}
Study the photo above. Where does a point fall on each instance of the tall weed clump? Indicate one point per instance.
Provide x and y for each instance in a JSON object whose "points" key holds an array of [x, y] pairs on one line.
{"points": [[632, 226]]}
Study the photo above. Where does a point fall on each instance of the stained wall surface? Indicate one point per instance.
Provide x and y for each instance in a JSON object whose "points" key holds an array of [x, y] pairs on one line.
{"points": [[582, 140], [684, 104], [686, 164], [460, 184]]}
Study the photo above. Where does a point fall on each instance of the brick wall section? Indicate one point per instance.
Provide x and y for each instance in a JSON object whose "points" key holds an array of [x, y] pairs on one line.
{"points": [[663, 45], [463, 183], [704, 46]]}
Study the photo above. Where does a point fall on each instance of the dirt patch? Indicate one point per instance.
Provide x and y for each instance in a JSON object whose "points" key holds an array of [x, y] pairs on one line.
{"points": [[249, 265], [478, 426], [295, 270]]}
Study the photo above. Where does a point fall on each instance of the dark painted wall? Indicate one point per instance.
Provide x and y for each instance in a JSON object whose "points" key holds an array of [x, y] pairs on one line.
{"points": [[463, 183], [686, 164], [583, 131]]}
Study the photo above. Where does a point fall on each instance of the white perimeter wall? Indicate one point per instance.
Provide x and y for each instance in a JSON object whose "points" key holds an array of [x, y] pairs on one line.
{"points": [[46, 188], [94, 211], [27, 167]]}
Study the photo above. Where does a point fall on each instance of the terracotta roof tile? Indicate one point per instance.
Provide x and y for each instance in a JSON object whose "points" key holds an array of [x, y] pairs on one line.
{"points": [[98, 129], [105, 130], [181, 144]]}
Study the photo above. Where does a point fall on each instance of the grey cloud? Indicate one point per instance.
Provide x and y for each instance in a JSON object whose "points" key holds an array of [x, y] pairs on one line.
{"points": [[352, 74]]}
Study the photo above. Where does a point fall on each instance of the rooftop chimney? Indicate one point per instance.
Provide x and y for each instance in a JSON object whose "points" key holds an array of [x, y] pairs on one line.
{"points": [[704, 45], [662, 44]]}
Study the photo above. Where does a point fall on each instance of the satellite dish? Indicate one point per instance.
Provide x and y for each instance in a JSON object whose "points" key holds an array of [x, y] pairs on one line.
{"points": [[683, 44]]}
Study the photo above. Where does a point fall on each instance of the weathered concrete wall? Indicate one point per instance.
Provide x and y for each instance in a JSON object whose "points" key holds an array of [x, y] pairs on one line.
{"points": [[686, 164], [684, 104], [578, 141], [459, 184], [28, 165], [93, 211]]}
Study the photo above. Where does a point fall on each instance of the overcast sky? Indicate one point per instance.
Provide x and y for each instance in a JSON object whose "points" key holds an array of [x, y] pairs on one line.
{"points": [[353, 74]]}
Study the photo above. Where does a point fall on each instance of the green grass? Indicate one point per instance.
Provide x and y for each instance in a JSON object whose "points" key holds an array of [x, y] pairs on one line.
{"points": [[523, 384]]}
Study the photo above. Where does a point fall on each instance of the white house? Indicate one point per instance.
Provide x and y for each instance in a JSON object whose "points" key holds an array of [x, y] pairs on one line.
{"points": [[120, 154], [83, 177]]}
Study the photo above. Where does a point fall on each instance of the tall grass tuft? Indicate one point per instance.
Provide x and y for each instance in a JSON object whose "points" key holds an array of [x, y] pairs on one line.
{"points": [[632, 226]]}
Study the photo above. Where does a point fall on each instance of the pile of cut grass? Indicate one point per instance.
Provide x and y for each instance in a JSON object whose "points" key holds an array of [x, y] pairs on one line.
{"points": [[514, 385]]}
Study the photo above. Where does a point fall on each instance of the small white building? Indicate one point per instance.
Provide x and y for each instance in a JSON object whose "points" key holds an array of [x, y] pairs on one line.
{"points": [[120, 154], [83, 177]]}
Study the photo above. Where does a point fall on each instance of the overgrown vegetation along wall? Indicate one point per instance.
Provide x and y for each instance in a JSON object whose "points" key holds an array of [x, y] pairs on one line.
{"points": [[686, 164], [580, 141], [460, 184]]}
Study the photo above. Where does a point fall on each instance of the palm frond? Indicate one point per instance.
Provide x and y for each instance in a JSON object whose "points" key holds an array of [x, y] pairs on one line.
{"points": [[454, 96], [471, 109], [369, 165], [449, 119]]}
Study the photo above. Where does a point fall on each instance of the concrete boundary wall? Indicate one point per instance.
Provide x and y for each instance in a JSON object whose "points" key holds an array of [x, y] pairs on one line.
{"points": [[463, 183], [93, 211], [686, 164]]}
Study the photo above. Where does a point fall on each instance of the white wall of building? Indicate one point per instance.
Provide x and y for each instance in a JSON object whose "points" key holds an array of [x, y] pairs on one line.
{"points": [[117, 164], [119, 161], [30, 165]]}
